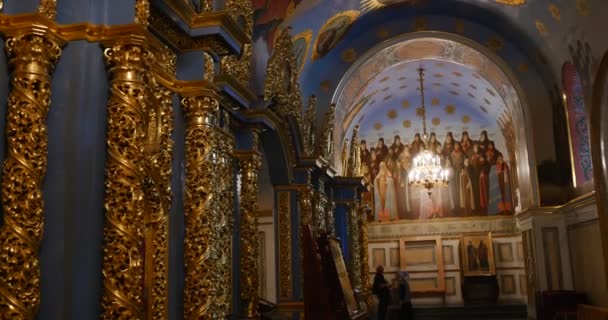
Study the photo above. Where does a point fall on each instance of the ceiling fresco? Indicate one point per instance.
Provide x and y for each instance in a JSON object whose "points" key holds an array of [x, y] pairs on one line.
{"points": [[456, 99], [445, 74]]}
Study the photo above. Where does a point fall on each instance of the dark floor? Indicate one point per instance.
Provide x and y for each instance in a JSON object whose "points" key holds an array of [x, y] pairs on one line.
{"points": [[477, 312]]}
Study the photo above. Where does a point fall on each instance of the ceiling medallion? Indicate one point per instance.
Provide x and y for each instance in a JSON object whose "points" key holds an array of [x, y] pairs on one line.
{"points": [[427, 171]]}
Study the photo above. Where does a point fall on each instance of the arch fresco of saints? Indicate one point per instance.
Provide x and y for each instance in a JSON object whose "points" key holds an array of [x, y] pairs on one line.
{"points": [[479, 182]]}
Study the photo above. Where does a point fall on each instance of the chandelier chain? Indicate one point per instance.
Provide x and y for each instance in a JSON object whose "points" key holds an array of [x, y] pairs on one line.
{"points": [[421, 78]]}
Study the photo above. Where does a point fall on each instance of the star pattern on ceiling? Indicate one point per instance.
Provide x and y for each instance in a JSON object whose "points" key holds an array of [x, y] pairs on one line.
{"points": [[405, 104], [349, 55], [392, 114], [407, 124], [555, 13], [542, 29]]}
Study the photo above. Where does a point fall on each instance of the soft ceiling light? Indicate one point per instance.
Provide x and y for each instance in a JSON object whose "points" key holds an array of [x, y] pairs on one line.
{"points": [[427, 171]]}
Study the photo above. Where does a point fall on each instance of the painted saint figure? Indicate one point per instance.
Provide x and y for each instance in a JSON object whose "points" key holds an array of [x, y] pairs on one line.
{"points": [[500, 190], [467, 200], [472, 257], [384, 195], [482, 254]]}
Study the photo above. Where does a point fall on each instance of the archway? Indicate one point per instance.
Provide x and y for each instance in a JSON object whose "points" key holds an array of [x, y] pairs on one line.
{"points": [[500, 96], [599, 148]]}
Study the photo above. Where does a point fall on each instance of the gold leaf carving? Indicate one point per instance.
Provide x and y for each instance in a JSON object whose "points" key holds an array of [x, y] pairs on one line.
{"points": [[249, 167], [285, 276], [201, 299], [31, 58], [123, 261]]}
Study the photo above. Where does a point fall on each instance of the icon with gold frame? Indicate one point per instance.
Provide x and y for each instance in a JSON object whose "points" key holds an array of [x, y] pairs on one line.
{"points": [[477, 255]]}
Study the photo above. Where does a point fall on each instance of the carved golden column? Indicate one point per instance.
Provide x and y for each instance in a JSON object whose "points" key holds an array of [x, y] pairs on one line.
{"points": [[330, 224], [249, 167], [363, 223], [306, 218], [159, 153], [225, 208], [200, 249], [32, 56], [125, 185], [354, 210], [285, 270]]}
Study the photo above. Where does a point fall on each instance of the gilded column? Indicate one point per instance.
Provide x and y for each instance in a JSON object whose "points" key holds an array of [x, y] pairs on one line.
{"points": [[249, 167], [225, 209], [285, 270], [354, 210], [330, 224], [200, 249], [125, 194], [159, 153], [31, 58], [365, 280]]}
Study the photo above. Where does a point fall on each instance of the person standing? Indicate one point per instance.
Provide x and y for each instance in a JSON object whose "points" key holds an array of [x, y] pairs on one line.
{"points": [[381, 289], [407, 311]]}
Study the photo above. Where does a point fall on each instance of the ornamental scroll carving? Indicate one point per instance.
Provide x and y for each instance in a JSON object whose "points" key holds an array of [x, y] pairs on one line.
{"points": [[285, 274], [249, 168], [364, 240], [354, 214], [239, 67], [201, 293], [223, 244], [31, 58], [326, 142], [308, 126], [282, 87], [137, 188], [158, 152]]}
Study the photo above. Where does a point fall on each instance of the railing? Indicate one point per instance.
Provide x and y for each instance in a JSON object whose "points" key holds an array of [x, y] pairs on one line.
{"points": [[586, 312]]}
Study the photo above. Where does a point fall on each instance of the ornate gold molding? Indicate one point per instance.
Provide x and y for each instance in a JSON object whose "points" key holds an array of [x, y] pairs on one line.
{"points": [[125, 193], [200, 208], [249, 168], [285, 275], [32, 58]]}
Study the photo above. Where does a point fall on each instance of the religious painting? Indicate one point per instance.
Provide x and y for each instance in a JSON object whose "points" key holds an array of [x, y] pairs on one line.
{"points": [[301, 44], [347, 290], [578, 126], [269, 15], [479, 183], [478, 255], [332, 32]]}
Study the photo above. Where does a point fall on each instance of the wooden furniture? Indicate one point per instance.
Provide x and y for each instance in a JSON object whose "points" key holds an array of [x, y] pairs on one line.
{"points": [[587, 312], [328, 294]]}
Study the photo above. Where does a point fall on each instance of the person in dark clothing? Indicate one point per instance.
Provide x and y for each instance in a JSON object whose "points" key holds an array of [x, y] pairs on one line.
{"points": [[407, 311], [381, 289]]}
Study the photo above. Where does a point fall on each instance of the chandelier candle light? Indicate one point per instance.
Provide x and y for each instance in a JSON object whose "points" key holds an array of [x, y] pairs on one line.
{"points": [[427, 171]]}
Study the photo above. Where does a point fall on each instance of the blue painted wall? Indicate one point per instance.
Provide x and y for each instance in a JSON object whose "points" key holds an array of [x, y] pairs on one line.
{"points": [[71, 250]]}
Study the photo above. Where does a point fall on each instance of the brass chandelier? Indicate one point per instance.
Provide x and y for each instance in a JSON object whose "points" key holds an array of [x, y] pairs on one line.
{"points": [[427, 171]]}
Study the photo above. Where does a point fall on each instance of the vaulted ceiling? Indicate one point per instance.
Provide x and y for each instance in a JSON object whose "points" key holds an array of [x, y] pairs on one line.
{"points": [[532, 39]]}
